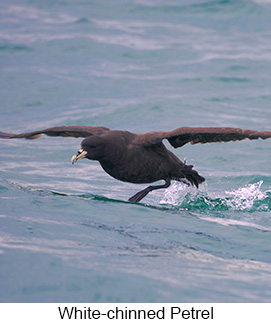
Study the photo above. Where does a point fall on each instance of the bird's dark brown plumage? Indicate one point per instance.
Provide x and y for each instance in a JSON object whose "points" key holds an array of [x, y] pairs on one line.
{"points": [[142, 158]]}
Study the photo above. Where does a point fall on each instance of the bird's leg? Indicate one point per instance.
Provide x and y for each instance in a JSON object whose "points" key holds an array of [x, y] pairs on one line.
{"points": [[139, 196]]}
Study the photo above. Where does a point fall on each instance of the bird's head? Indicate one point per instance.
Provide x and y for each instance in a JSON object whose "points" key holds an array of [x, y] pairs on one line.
{"points": [[92, 148]]}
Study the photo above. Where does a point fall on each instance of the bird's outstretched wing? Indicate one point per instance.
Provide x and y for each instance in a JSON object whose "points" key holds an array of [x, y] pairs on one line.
{"points": [[194, 135], [181, 136], [64, 131]]}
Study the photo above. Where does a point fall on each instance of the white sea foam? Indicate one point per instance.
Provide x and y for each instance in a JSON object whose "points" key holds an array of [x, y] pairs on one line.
{"points": [[243, 198], [228, 222], [175, 194]]}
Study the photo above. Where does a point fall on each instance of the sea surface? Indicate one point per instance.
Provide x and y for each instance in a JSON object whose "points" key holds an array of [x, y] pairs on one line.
{"points": [[67, 232]]}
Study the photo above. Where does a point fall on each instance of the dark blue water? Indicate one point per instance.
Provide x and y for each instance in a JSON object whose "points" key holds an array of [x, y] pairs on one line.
{"points": [[67, 232]]}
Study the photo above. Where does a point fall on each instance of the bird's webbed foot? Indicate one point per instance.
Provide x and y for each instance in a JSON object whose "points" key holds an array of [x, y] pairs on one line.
{"points": [[141, 194]]}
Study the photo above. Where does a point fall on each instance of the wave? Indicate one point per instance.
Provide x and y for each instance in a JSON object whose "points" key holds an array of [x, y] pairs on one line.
{"points": [[249, 198], [179, 197]]}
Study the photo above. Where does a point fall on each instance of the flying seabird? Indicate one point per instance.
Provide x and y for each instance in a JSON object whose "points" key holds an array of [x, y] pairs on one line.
{"points": [[142, 158]]}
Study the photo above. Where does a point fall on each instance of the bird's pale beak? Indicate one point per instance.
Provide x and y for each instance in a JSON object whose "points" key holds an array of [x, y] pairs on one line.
{"points": [[81, 154]]}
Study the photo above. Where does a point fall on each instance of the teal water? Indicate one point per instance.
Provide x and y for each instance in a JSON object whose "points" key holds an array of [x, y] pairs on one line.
{"points": [[67, 232]]}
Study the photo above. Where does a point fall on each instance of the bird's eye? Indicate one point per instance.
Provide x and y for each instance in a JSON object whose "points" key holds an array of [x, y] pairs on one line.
{"points": [[93, 146]]}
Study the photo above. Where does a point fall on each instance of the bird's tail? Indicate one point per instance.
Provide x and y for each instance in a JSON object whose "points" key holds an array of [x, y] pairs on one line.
{"points": [[192, 176]]}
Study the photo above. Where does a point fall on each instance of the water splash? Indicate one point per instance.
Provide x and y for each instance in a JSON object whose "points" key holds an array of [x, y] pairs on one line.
{"points": [[247, 198], [176, 194]]}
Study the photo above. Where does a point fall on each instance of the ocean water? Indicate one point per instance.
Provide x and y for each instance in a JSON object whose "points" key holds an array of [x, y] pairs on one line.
{"points": [[67, 232]]}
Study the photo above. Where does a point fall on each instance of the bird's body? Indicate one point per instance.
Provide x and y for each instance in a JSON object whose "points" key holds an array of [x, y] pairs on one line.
{"points": [[142, 158], [129, 161]]}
